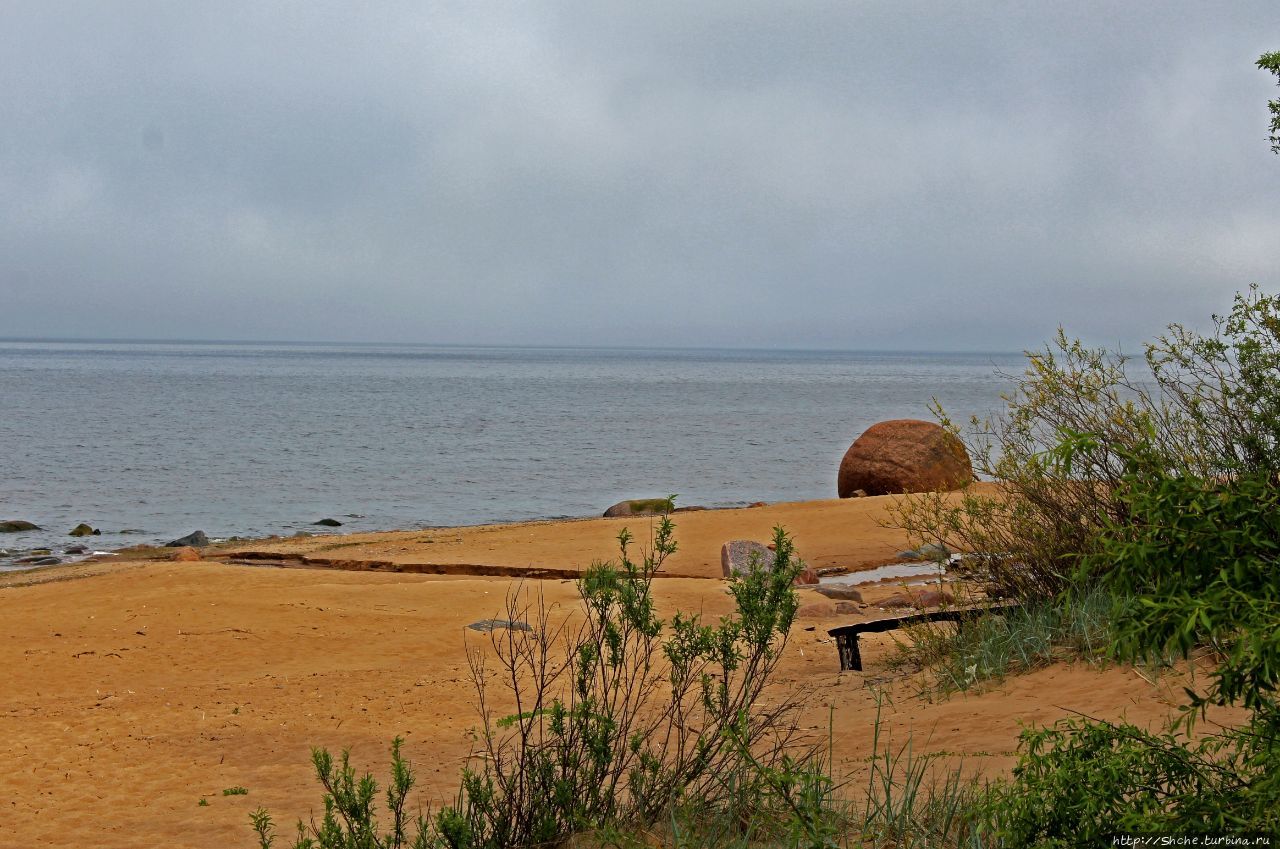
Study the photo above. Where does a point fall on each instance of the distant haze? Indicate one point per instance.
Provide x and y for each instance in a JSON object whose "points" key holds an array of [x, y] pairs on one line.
{"points": [[852, 175]]}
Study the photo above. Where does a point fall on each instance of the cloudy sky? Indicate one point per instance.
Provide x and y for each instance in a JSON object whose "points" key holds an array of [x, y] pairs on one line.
{"points": [[845, 174]]}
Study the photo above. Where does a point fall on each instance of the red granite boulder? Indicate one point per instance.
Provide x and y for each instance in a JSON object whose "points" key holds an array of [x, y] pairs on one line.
{"points": [[904, 455]]}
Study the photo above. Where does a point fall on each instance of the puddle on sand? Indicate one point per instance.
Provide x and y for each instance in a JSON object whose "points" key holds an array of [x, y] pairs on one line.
{"points": [[909, 572]]}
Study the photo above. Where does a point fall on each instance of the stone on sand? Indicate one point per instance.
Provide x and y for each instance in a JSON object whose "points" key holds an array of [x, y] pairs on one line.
{"points": [[736, 556], [840, 592], [904, 455]]}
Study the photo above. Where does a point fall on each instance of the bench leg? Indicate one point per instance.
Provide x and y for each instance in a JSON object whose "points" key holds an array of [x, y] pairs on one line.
{"points": [[850, 657]]}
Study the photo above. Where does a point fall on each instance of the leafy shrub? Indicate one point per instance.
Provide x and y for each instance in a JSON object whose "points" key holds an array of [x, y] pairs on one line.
{"points": [[1207, 405], [349, 820], [1080, 782], [620, 715], [1164, 495], [1196, 561]]}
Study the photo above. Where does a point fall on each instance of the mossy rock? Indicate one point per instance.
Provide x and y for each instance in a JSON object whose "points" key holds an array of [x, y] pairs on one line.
{"points": [[13, 526], [641, 507], [83, 530]]}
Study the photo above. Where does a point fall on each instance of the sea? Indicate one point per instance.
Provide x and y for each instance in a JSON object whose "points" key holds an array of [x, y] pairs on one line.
{"points": [[149, 441]]}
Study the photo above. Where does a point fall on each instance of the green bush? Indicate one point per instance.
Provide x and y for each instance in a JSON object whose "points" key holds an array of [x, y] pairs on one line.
{"points": [[1080, 782], [1208, 405], [633, 713], [1164, 495], [1196, 562]]}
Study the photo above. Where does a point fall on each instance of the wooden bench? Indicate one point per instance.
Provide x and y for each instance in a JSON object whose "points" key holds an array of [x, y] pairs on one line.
{"points": [[847, 635]]}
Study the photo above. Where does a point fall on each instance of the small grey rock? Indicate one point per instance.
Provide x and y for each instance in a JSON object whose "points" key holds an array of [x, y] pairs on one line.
{"points": [[300, 534], [329, 523], [910, 554], [196, 539], [933, 551], [488, 625], [75, 549]]}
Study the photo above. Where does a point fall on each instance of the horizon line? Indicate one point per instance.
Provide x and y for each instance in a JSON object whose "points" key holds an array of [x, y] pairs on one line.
{"points": [[507, 346]]}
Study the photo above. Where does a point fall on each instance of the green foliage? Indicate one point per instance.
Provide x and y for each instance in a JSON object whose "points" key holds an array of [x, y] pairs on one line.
{"points": [[1027, 535], [1195, 562], [1199, 561], [235, 791], [1208, 405], [350, 820], [1081, 781], [1164, 495], [1271, 62]]}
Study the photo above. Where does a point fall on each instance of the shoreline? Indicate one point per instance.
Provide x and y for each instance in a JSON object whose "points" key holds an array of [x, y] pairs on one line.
{"points": [[66, 541], [587, 537]]}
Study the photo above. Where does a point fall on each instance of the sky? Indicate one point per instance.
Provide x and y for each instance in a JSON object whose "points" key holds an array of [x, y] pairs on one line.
{"points": [[730, 173]]}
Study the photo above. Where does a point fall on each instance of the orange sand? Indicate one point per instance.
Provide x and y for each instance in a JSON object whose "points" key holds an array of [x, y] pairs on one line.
{"points": [[133, 690]]}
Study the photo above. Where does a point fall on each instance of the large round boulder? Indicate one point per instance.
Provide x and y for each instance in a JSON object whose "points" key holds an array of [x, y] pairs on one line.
{"points": [[904, 455]]}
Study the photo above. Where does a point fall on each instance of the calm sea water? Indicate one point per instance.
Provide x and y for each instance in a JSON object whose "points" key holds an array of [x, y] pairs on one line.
{"points": [[253, 440]]}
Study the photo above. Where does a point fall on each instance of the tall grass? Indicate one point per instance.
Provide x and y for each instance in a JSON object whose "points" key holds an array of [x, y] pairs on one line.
{"points": [[1023, 638]]}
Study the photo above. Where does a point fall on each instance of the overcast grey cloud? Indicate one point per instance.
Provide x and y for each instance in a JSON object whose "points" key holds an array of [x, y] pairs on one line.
{"points": [[805, 174]]}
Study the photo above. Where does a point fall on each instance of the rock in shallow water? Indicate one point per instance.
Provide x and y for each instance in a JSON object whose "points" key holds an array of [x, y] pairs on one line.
{"points": [[195, 540], [83, 530], [13, 526], [329, 523]]}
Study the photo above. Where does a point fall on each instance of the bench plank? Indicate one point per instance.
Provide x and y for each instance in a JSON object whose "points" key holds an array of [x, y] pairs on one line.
{"points": [[847, 635]]}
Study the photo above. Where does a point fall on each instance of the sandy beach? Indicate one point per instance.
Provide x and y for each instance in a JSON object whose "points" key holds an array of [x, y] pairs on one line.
{"points": [[134, 689]]}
